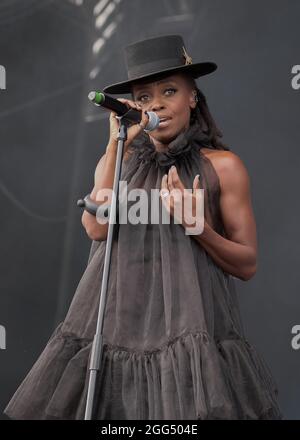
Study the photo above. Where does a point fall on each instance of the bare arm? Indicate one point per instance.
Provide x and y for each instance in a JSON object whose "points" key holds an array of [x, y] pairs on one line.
{"points": [[105, 171], [236, 254], [104, 177]]}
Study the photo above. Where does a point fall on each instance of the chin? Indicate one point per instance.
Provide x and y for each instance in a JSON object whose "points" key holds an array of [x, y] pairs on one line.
{"points": [[166, 137]]}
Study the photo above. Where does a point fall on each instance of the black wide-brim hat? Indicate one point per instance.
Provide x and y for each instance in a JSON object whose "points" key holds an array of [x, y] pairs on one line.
{"points": [[156, 57]]}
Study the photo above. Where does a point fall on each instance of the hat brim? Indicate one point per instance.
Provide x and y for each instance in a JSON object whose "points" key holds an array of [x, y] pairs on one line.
{"points": [[195, 70]]}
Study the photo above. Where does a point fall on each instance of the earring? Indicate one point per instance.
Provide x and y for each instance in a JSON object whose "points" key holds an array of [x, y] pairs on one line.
{"points": [[195, 97]]}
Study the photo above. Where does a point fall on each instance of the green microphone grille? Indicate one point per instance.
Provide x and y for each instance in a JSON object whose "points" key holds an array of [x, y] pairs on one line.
{"points": [[96, 97]]}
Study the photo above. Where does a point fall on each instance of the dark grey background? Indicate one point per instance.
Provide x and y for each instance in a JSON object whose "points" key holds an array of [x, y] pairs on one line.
{"points": [[52, 138]]}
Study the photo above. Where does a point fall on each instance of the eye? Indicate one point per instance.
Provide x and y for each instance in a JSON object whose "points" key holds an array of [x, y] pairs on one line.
{"points": [[171, 88], [140, 98]]}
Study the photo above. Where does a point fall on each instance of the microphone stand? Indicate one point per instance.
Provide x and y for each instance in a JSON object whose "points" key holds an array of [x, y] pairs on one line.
{"points": [[90, 206]]}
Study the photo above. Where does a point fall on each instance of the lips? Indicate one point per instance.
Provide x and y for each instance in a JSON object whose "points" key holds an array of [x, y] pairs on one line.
{"points": [[164, 121]]}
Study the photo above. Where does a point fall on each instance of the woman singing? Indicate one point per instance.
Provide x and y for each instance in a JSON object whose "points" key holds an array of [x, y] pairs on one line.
{"points": [[174, 344]]}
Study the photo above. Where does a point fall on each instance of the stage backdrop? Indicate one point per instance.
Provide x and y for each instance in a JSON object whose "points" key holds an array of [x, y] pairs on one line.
{"points": [[52, 53]]}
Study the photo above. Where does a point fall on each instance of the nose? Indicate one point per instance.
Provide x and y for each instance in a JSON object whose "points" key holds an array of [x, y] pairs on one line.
{"points": [[156, 105]]}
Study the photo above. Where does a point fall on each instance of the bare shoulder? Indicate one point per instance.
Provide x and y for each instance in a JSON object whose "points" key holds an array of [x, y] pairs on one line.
{"points": [[228, 165]]}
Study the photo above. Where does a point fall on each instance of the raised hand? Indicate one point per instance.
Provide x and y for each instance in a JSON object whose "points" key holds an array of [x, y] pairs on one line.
{"points": [[186, 206]]}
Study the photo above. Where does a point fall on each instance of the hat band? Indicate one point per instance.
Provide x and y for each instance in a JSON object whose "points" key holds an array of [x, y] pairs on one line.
{"points": [[153, 67]]}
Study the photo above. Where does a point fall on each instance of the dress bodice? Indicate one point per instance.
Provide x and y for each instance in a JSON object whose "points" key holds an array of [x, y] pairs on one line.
{"points": [[185, 153]]}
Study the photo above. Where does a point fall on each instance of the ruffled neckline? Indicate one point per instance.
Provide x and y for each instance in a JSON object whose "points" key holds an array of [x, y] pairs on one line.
{"points": [[191, 139]]}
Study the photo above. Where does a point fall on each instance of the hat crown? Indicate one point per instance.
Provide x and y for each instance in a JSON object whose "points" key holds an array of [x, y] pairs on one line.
{"points": [[154, 54]]}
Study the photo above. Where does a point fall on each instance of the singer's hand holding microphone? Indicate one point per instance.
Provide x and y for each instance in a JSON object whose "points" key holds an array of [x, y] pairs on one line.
{"points": [[132, 131], [140, 119]]}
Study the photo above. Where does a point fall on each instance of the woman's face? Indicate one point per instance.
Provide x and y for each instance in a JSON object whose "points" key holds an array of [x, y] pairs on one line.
{"points": [[170, 98]]}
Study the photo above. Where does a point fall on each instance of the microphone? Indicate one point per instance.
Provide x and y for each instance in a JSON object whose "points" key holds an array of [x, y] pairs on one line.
{"points": [[133, 115], [93, 208]]}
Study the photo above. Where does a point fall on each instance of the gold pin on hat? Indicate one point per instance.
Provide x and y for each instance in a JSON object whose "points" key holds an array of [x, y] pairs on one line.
{"points": [[188, 59]]}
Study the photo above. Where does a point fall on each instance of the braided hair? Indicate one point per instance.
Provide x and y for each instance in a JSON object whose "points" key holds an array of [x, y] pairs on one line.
{"points": [[202, 116]]}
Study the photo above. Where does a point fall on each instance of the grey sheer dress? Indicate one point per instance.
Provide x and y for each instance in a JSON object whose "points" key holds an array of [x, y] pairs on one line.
{"points": [[174, 344]]}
